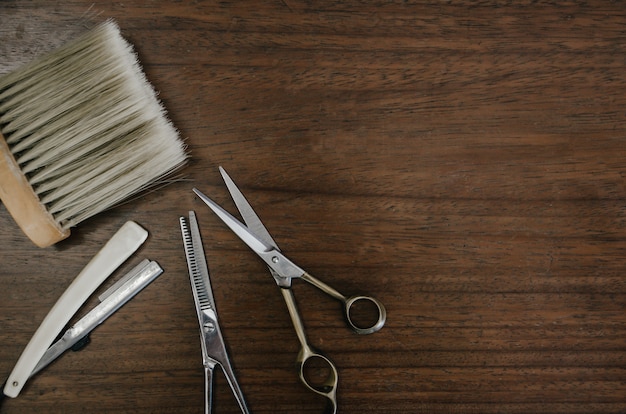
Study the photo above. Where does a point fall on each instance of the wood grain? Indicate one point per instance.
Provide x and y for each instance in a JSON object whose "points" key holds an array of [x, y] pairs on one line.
{"points": [[461, 161]]}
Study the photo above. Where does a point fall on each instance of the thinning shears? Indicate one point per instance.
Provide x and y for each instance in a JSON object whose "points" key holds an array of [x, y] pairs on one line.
{"points": [[256, 236], [211, 339]]}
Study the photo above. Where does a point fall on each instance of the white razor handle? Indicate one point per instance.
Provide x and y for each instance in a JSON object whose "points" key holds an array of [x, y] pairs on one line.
{"points": [[123, 244]]}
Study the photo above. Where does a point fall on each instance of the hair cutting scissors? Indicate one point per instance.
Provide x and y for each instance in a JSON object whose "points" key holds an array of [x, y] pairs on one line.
{"points": [[256, 236], [211, 339]]}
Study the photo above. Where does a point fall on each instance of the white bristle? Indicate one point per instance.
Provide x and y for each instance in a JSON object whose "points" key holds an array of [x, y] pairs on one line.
{"points": [[85, 126]]}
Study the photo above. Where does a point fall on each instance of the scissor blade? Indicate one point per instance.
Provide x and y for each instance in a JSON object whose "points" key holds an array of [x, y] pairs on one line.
{"points": [[253, 221], [284, 268], [196, 261], [251, 239], [248, 214]]}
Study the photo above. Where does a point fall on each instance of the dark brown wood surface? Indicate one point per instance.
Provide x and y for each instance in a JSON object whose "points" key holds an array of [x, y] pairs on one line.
{"points": [[463, 161]]}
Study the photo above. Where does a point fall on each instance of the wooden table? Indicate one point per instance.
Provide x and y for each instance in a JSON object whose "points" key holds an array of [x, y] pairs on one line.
{"points": [[462, 161]]}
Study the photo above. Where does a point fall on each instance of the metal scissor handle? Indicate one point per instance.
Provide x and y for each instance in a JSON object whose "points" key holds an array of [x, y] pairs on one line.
{"points": [[209, 368], [327, 388], [348, 303], [209, 372]]}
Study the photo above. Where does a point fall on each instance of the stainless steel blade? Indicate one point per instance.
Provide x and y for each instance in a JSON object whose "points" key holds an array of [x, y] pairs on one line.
{"points": [[285, 269], [255, 243], [196, 261], [66, 342], [141, 276], [253, 221], [131, 274], [248, 214]]}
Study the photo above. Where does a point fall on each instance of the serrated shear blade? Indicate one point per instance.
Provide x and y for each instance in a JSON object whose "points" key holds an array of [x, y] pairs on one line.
{"points": [[196, 262]]}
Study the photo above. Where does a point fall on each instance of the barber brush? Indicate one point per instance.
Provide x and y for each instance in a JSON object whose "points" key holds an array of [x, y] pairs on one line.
{"points": [[81, 130]]}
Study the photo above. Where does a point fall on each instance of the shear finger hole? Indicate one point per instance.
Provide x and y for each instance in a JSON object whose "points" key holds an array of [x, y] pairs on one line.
{"points": [[318, 373], [365, 314]]}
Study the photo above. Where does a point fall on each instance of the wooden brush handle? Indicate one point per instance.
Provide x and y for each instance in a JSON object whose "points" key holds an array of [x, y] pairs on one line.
{"points": [[21, 201]]}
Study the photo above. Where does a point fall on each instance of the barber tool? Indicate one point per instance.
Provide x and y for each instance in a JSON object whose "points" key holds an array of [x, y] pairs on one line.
{"points": [[110, 301], [81, 130], [211, 338], [119, 248], [256, 236]]}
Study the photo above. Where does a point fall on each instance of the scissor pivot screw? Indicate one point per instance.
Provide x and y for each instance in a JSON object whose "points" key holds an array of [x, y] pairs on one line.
{"points": [[275, 259], [208, 327]]}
